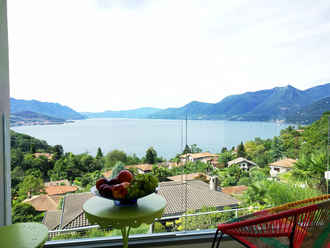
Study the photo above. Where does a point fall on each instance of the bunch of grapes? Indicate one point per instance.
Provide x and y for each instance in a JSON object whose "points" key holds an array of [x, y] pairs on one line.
{"points": [[142, 185]]}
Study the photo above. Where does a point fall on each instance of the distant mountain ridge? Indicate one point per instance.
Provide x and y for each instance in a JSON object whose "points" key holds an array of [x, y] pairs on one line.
{"points": [[310, 113], [264, 105], [54, 110], [133, 113], [32, 118], [279, 103]]}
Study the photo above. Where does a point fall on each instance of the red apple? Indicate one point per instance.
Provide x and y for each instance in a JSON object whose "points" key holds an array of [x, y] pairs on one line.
{"points": [[119, 191], [125, 184], [113, 181], [125, 176], [100, 182], [101, 189], [107, 191]]}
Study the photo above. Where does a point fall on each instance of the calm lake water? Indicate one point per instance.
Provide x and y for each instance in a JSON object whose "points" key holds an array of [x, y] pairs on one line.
{"points": [[137, 135]]}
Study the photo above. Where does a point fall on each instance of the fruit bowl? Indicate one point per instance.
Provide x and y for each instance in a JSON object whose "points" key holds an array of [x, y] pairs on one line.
{"points": [[125, 188], [118, 202]]}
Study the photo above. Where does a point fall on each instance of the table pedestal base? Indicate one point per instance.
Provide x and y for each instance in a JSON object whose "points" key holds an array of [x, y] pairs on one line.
{"points": [[125, 234]]}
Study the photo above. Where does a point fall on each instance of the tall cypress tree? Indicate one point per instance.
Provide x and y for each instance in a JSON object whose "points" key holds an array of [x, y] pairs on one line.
{"points": [[241, 150], [99, 153]]}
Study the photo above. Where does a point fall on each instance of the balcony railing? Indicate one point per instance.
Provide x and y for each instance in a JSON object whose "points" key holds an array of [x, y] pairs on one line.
{"points": [[85, 236]]}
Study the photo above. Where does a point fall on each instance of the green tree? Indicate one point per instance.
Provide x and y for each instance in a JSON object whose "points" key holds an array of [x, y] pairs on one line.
{"points": [[276, 149], [224, 149], [113, 157], [195, 149], [58, 152], [88, 163], [206, 221], [88, 180], [225, 157], [30, 186], [23, 212], [186, 150], [310, 168], [256, 193], [133, 159], [151, 156], [161, 172], [280, 193], [16, 158], [241, 150], [118, 167], [99, 154], [231, 175]]}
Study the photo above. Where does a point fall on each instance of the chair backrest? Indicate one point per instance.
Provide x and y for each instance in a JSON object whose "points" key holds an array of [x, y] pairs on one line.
{"points": [[297, 204], [312, 220], [293, 223]]}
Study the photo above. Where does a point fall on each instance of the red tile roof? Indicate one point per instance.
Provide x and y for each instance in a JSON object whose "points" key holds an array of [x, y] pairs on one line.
{"points": [[234, 190], [199, 155], [187, 177], [58, 183], [286, 163], [60, 190], [47, 155], [107, 174], [43, 202], [143, 167]]}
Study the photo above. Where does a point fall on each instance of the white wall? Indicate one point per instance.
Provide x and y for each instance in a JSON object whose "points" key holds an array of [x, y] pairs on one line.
{"points": [[5, 206], [281, 169]]}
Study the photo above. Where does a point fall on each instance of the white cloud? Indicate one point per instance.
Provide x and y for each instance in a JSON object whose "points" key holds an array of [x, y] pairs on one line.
{"points": [[100, 54]]}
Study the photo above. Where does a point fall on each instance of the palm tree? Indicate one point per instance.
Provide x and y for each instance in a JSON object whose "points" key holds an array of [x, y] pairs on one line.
{"points": [[311, 168], [256, 194]]}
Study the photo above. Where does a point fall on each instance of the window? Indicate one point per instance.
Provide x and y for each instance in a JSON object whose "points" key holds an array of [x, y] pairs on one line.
{"points": [[184, 149]]}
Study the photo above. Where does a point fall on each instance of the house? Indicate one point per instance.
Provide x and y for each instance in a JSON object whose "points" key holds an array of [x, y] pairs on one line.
{"points": [[194, 157], [281, 166], [198, 195], [243, 163], [52, 198], [142, 168], [107, 174], [234, 190], [49, 156], [64, 182], [188, 177], [71, 215], [52, 219], [60, 190], [44, 202], [214, 162], [171, 165]]}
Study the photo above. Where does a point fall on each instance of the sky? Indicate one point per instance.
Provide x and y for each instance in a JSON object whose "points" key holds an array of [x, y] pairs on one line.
{"points": [[97, 55]]}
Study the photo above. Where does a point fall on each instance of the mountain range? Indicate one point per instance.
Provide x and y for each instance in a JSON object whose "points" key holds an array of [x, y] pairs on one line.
{"points": [[310, 113], [280, 103], [49, 109], [134, 113], [265, 105], [32, 118]]}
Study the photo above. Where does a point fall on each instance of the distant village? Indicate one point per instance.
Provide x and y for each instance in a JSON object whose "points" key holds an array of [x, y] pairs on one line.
{"points": [[63, 206]]}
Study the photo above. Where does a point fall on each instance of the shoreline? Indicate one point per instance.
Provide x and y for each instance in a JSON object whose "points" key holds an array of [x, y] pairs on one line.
{"points": [[37, 123]]}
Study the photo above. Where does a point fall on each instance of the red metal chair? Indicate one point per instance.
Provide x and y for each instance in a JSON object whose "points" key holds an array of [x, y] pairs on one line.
{"points": [[300, 224]]}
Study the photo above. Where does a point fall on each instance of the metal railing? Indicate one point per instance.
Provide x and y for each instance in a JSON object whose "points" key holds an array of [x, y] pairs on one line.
{"points": [[81, 232]]}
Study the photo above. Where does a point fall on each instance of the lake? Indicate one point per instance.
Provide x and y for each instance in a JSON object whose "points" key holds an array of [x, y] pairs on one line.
{"points": [[137, 135]]}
